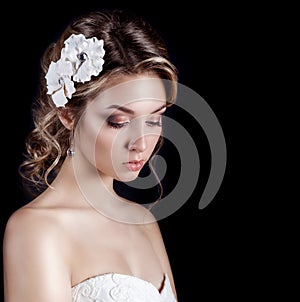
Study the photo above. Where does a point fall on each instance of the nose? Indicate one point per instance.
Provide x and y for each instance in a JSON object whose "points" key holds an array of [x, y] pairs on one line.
{"points": [[138, 145]]}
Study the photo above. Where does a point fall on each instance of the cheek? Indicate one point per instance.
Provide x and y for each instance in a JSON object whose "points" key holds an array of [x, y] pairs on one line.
{"points": [[86, 139], [104, 144], [111, 147], [152, 141]]}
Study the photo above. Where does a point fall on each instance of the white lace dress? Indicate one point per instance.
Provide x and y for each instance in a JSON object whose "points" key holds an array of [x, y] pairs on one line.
{"points": [[113, 287]]}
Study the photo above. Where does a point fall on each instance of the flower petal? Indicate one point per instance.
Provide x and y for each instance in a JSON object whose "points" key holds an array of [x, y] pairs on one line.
{"points": [[77, 47], [59, 98], [69, 87], [52, 78], [80, 59], [83, 74], [56, 72]]}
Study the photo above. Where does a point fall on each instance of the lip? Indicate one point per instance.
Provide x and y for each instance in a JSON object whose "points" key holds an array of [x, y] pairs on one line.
{"points": [[134, 165]]}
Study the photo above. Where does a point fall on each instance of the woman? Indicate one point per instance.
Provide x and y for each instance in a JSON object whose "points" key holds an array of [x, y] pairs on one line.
{"points": [[105, 85]]}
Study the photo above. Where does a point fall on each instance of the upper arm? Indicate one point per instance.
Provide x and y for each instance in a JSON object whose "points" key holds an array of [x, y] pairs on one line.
{"points": [[35, 267]]}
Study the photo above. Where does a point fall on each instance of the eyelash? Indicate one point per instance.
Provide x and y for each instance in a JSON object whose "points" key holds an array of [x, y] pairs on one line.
{"points": [[116, 125], [154, 124], [120, 125]]}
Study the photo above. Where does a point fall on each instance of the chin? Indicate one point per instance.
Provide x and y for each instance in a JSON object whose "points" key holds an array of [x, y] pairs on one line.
{"points": [[127, 178]]}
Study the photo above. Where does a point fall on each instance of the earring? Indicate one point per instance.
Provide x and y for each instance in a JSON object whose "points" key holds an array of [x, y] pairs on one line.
{"points": [[70, 152]]}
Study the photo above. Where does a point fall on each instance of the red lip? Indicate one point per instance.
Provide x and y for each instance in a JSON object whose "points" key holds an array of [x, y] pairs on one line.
{"points": [[134, 165]]}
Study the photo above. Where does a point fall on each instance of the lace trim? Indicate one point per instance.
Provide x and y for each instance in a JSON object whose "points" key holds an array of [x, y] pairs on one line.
{"points": [[160, 289]]}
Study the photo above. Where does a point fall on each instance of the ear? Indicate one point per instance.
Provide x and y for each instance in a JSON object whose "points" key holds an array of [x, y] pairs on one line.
{"points": [[66, 118]]}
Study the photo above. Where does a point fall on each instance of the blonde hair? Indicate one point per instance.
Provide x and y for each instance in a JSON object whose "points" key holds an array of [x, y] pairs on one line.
{"points": [[131, 45]]}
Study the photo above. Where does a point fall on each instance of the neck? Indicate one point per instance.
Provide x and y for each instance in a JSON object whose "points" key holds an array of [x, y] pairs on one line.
{"points": [[80, 183], [75, 177]]}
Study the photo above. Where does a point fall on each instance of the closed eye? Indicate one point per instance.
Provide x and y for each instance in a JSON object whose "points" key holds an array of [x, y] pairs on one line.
{"points": [[154, 123], [116, 125]]}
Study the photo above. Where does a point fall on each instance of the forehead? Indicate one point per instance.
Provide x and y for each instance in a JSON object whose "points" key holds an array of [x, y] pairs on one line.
{"points": [[133, 92]]}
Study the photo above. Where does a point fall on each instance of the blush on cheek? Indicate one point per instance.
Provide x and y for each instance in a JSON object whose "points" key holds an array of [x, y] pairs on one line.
{"points": [[105, 144], [151, 143]]}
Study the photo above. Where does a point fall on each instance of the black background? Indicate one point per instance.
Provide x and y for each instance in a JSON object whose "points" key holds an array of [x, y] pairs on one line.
{"points": [[212, 251]]}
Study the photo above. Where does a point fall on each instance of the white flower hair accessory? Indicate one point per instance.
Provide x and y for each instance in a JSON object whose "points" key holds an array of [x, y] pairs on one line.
{"points": [[80, 59]]}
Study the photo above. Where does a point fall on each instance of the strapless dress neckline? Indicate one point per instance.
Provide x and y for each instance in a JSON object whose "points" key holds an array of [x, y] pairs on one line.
{"points": [[117, 287]]}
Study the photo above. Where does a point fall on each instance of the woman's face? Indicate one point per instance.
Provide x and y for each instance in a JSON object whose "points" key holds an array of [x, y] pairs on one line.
{"points": [[121, 127]]}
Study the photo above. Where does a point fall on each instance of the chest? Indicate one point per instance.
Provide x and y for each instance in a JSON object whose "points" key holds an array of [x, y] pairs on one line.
{"points": [[107, 248]]}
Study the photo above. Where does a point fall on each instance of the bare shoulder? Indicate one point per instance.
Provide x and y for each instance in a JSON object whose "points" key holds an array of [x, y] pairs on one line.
{"points": [[34, 234], [30, 221], [35, 257]]}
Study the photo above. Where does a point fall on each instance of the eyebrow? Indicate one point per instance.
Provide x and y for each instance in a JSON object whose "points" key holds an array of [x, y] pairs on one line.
{"points": [[129, 111]]}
